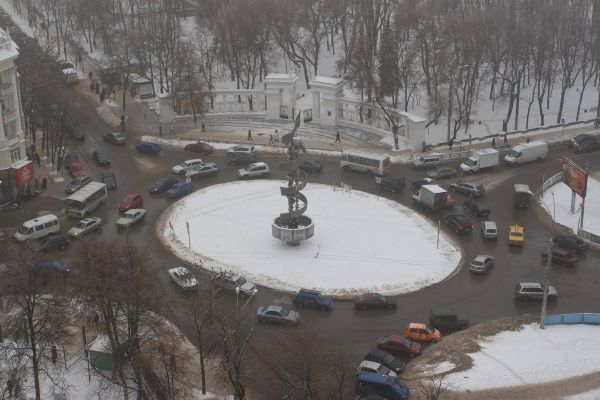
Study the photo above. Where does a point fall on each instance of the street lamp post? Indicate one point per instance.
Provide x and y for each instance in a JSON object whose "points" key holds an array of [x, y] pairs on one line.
{"points": [[237, 297], [548, 265]]}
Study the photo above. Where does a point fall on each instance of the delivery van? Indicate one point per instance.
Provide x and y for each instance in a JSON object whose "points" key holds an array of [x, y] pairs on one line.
{"points": [[527, 152]]}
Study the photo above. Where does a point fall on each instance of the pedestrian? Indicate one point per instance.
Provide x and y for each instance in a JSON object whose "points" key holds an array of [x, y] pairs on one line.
{"points": [[505, 140], [37, 159], [249, 135], [44, 183], [203, 127], [470, 140], [97, 87], [493, 143], [424, 146], [160, 130], [337, 137], [451, 143], [528, 139], [122, 123], [92, 85], [90, 75], [37, 187], [276, 136], [271, 139], [172, 129]]}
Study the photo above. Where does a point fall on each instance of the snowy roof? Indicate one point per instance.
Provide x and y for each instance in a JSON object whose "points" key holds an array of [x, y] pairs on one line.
{"points": [[434, 188], [326, 80], [281, 78], [8, 49], [412, 117]]}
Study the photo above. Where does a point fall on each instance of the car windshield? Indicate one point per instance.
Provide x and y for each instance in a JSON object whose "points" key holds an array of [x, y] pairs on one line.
{"points": [[81, 225], [517, 234], [383, 370], [240, 281], [429, 330], [491, 230], [477, 263], [284, 312], [24, 230], [129, 216], [75, 205], [513, 154]]}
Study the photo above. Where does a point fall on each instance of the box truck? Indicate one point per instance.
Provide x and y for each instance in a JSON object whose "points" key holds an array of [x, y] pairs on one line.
{"points": [[527, 152], [433, 197], [480, 160]]}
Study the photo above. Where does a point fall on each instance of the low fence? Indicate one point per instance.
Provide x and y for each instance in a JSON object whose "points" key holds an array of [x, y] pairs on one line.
{"points": [[590, 237], [280, 147], [571, 319], [551, 181]]}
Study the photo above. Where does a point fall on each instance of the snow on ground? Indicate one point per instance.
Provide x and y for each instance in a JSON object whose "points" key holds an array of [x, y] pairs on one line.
{"points": [[589, 395], [558, 200], [531, 356], [362, 242], [17, 19]]}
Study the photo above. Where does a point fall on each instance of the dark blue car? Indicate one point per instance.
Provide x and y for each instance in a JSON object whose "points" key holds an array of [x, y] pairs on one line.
{"points": [[181, 188], [312, 299], [368, 383], [162, 185], [147, 148], [51, 265]]}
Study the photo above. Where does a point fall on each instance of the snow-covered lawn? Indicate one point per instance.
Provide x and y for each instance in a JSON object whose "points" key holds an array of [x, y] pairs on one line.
{"points": [[558, 197], [362, 242], [531, 356], [589, 395]]}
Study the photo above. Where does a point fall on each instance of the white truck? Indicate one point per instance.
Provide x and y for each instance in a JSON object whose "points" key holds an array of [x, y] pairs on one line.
{"points": [[480, 160], [433, 197], [527, 152]]}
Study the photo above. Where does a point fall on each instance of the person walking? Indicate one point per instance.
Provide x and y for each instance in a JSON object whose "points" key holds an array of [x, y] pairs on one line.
{"points": [[451, 143], [203, 127], [493, 143], [276, 136], [97, 87], [505, 140], [160, 130], [337, 137], [528, 139], [271, 139], [249, 135], [122, 123], [172, 129]]}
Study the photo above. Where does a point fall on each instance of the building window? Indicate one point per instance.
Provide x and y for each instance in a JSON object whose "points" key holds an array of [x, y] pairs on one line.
{"points": [[15, 155]]}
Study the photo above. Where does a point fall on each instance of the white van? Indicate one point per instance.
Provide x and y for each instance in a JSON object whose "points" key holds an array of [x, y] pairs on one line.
{"points": [[527, 152], [427, 160], [38, 228]]}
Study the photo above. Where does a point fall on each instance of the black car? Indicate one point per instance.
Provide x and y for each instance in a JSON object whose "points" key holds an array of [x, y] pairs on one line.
{"points": [[384, 358], [459, 223], [584, 143], [389, 184], [77, 133], [421, 182], [54, 241], [162, 185], [571, 242], [109, 179], [479, 208], [311, 166], [101, 157], [77, 184]]}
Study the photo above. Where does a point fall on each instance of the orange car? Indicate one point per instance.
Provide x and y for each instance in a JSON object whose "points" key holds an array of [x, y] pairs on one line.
{"points": [[422, 333]]}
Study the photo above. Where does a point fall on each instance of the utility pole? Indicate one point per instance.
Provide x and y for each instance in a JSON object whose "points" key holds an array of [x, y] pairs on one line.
{"points": [[546, 284]]}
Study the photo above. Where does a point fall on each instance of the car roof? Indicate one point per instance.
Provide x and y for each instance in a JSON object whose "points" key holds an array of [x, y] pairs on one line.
{"points": [[489, 224], [134, 210], [481, 257], [258, 164], [273, 308], [530, 284], [369, 364], [471, 183], [193, 160], [179, 270], [417, 325]]}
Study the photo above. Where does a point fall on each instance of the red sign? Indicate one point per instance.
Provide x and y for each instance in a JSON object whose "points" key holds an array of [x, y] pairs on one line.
{"points": [[575, 176], [25, 174]]}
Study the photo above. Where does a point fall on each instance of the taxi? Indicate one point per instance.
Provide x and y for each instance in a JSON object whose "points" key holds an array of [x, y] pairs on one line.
{"points": [[422, 333], [516, 235]]}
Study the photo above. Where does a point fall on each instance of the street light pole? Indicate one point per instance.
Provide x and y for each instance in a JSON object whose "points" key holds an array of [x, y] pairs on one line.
{"points": [[547, 275]]}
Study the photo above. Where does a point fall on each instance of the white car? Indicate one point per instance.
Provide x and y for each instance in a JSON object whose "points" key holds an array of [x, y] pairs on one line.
{"points": [[254, 170], [375, 368], [489, 230], [183, 278], [130, 217], [481, 264], [84, 226], [230, 282], [198, 171], [181, 168]]}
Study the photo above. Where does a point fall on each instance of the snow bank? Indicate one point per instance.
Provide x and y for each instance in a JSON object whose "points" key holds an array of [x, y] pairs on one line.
{"points": [[362, 242]]}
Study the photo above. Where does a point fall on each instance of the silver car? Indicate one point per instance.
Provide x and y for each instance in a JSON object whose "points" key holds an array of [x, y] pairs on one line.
{"points": [[183, 278], [534, 291], [472, 188], [277, 315], [489, 230], [255, 170], [481, 264], [84, 226], [198, 171], [230, 282], [130, 217]]}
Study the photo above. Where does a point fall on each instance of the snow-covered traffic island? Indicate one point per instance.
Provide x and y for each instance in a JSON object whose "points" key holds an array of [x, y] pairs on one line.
{"points": [[362, 242]]}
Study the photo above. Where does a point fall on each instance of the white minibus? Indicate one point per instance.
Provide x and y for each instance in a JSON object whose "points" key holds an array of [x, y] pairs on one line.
{"points": [[38, 228], [377, 164], [86, 199]]}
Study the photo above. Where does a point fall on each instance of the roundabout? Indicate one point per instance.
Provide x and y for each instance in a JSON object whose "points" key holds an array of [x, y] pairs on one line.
{"points": [[362, 242]]}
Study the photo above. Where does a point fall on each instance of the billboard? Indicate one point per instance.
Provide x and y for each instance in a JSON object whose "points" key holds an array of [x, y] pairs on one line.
{"points": [[575, 176]]}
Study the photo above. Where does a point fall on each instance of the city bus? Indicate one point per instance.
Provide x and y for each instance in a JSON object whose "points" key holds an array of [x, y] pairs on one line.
{"points": [[377, 164], [86, 199]]}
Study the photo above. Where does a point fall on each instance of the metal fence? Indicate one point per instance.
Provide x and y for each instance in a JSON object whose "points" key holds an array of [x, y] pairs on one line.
{"points": [[551, 181], [590, 237], [571, 319]]}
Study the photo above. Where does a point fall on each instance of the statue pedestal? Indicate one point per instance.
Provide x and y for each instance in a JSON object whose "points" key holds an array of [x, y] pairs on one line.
{"points": [[293, 236]]}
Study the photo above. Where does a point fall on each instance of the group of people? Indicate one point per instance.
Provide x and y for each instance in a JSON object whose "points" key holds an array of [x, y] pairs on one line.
{"points": [[105, 93]]}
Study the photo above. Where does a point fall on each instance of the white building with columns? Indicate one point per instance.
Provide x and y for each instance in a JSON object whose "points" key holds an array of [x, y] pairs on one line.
{"points": [[15, 170]]}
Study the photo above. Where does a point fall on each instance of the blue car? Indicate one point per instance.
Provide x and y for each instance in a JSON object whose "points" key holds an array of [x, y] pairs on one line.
{"points": [[147, 148], [312, 299], [181, 188], [51, 265], [368, 383]]}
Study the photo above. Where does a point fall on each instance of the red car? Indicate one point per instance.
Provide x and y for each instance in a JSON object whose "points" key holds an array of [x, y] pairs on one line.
{"points": [[132, 200], [200, 147], [399, 346], [76, 169], [372, 301]]}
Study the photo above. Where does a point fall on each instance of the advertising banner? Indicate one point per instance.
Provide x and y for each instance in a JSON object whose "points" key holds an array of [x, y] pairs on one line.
{"points": [[575, 176], [24, 173]]}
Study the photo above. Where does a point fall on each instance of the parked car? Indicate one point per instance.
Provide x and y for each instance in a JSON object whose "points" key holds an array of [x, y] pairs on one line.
{"points": [[373, 301], [181, 167], [312, 299], [76, 169], [277, 314], [440, 173], [231, 282], [481, 264], [199, 171], [479, 208], [389, 184], [516, 235], [571, 242], [254, 170], [69, 158], [584, 143], [54, 241], [85, 226], [101, 157], [162, 185], [130, 217], [473, 188], [534, 291], [399, 346], [311, 166], [179, 189], [387, 359], [423, 181], [459, 223], [421, 332], [562, 256], [51, 265], [200, 148], [375, 368], [426, 160], [109, 179], [378, 386], [147, 148], [242, 153], [183, 278], [77, 184], [489, 230], [114, 138], [446, 319], [130, 201]]}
